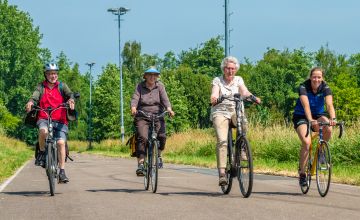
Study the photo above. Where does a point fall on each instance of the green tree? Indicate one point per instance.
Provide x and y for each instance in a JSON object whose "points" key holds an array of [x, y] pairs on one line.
{"points": [[106, 107], [346, 97], [19, 57], [205, 59], [275, 79]]}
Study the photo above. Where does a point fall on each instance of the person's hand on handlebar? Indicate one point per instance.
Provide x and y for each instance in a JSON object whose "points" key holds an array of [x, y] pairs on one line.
{"points": [[171, 112], [28, 106], [255, 99], [258, 100], [213, 100], [133, 111], [332, 121], [71, 103]]}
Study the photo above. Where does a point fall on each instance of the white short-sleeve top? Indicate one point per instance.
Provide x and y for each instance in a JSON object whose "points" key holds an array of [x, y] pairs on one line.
{"points": [[226, 107]]}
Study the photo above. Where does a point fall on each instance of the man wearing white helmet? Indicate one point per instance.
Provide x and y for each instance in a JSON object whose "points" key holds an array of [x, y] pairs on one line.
{"points": [[52, 93]]}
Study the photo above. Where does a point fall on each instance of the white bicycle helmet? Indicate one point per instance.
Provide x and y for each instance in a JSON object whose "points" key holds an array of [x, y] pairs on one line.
{"points": [[51, 66]]}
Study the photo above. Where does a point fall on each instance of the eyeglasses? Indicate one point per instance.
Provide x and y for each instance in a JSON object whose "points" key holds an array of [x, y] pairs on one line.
{"points": [[51, 73], [230, 68]]}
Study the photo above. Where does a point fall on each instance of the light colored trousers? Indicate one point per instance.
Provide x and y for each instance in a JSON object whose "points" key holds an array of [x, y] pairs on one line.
{"points": [[221, 125]]}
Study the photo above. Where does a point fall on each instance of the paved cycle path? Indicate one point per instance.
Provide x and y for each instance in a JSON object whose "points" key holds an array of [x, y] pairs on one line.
{"points": [[107, 188]]}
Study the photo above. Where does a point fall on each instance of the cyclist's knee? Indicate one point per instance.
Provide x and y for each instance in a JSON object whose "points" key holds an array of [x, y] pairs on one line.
{"points": [[61, 142], [43, 133]]}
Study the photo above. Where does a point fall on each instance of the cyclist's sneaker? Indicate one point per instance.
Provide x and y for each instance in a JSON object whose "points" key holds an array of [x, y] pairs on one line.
{"points": [[40, 159], [160, 162], [302, 179], [222, 181], [140, 170], [63, 178]]}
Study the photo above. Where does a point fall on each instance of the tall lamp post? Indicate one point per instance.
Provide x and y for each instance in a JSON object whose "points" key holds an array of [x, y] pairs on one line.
{"points": [[90, 106], [227, 30], [120, 11]]}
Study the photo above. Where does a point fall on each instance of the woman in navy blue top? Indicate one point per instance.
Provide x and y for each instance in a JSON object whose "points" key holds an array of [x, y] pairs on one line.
{"points": [[314, 94]]}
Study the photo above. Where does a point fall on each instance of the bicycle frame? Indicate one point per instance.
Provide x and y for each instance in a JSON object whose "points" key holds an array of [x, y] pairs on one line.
{"points": [[320, 140], [51, 165], [239, 167], [319, 165], [152, 147]]}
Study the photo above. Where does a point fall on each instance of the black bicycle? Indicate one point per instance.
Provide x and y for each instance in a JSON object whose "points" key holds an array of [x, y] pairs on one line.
{"points": [[151, 163], [51, 152], [239, 157], [319, 161]]}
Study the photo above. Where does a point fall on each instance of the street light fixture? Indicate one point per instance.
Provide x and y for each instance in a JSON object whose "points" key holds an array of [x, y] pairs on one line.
{"points": [[90, 106], [120, 11]]}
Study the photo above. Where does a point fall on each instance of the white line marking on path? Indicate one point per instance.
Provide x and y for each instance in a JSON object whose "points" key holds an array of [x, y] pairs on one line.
{"points": [[8, 181]]}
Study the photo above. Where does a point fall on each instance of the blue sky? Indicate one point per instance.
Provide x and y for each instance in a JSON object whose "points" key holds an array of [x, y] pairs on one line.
{"points": [[86, 32]]}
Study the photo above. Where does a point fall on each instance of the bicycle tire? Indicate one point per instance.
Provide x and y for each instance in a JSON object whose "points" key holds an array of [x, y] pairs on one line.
{"points": [[229, 169], [323, 168], [147, 169], [244, 166], [155, 166], [305, 189], [51, 165]]}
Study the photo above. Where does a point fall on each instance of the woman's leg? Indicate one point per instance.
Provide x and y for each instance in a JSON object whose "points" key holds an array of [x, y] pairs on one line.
{"points": [[221, 125]]}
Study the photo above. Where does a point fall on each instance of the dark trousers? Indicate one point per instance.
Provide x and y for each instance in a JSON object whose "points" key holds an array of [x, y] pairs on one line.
{"points": [[142, 129]]}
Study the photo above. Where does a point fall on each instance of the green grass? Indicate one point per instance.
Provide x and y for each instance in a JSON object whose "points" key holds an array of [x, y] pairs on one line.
{"points": [[13, 154]]}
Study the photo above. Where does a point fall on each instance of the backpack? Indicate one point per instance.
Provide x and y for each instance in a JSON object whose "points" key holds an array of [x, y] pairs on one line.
{"points": [[132, 145]]}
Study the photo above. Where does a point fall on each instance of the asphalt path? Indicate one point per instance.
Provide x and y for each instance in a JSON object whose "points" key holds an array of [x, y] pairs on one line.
{"points": [[107, 188]]}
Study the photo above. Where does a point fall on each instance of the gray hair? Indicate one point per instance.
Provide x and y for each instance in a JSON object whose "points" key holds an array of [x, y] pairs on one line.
{"points": [[230, 59]]}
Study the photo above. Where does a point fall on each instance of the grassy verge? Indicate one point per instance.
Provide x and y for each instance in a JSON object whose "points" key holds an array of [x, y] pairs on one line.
{"points": [[275, 151], [13, 154]]}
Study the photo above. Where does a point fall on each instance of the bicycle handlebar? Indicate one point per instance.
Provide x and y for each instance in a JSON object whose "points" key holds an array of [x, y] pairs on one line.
{"points": [[161, 115], [321, 123], [48, 111], [236, 98]]}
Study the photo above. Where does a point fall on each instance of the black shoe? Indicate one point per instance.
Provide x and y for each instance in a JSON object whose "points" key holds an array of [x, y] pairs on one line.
{"points": [[222, 181], [40, 159], [140, 170], [63, 178], [302, 180]]}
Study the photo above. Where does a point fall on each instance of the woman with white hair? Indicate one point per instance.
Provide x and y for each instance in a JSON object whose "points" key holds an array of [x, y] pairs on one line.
{"points": [[223, 113]]}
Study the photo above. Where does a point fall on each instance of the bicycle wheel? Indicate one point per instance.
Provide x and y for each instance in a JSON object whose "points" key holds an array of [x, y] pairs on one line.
{"points": [[147, 168], [229, 171], [51, 166], [305, 189], [323, 168], [244, 166], [155, 166]]}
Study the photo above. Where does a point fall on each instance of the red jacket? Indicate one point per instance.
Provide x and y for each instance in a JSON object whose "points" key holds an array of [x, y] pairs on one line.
{"points": [[52, 98]]}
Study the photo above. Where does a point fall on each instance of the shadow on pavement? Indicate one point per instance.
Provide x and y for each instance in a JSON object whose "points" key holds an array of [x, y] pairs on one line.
{"points": [[207, 194], [117, 190], [278, 193], [29, 193]]}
